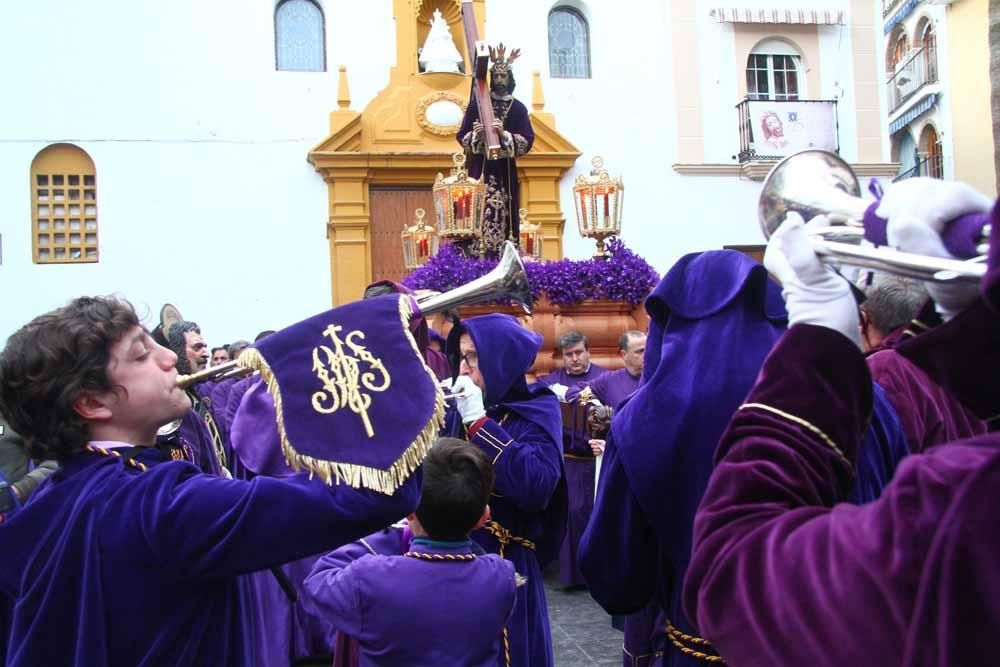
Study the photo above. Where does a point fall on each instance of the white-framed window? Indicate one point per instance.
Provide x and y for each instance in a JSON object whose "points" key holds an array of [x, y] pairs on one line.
{"points": [[774, 72], [299, 36], [569, 44]]}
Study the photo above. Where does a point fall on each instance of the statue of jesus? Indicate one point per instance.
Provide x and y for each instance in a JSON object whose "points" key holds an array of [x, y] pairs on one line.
{"points": [[500, 219]]}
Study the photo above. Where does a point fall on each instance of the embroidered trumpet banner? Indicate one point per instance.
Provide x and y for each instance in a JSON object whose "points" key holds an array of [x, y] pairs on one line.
{"points": [[354, 400]]}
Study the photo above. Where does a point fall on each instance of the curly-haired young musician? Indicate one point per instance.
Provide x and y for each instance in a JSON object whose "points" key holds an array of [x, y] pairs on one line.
{"points": [[122, 558]]}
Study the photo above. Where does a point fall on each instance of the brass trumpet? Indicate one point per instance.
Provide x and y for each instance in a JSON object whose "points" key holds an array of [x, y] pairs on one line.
{"points": [[507, 281], [814, 182]]}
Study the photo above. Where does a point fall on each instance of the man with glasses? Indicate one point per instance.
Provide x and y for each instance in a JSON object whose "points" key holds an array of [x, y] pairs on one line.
{"points": [[518, 427]]}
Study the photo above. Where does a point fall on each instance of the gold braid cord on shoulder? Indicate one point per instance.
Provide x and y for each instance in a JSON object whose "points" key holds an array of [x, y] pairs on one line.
{"points": [[358, 476]]}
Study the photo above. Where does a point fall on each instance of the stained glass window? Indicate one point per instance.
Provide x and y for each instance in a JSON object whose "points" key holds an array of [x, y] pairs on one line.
{"points": [[299, 36], [569, 44]]}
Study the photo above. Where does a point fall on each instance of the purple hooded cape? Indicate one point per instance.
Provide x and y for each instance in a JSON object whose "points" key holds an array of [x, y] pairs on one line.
{"points": [[713, 319], [521, 435]]}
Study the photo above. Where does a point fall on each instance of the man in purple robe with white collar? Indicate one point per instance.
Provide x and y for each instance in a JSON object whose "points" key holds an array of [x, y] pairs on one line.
{"points": [[577, 372], [908, 579], [713, 319], [122, 558], [518, 427]]}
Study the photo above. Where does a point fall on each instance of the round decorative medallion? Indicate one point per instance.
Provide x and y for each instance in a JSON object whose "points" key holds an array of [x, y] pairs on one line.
{"points": [[441, 113]]}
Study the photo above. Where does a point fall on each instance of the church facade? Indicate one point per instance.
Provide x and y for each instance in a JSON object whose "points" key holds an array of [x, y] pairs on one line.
{"points": [[254, 161]]}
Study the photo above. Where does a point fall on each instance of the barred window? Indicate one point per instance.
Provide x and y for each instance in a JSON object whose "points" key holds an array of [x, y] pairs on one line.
{"points": [[773, 72], [63, 206], [569, 44], [299, 36]]}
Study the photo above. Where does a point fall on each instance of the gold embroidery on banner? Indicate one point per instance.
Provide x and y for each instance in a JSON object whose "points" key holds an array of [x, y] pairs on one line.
{"points": [[343, 388]]}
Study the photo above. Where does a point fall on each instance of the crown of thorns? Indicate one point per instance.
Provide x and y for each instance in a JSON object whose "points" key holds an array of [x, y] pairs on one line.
{"points": [[501, 62]]}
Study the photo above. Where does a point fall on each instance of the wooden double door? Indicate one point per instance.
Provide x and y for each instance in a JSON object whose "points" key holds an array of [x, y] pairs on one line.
{"points": [[392, 208]]}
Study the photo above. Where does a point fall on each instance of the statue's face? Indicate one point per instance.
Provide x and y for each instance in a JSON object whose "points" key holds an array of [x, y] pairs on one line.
{"points": [[500, 82]]}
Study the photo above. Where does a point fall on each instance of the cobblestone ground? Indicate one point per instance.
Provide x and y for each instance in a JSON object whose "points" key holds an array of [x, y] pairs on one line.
{"points": [[581, 630]]}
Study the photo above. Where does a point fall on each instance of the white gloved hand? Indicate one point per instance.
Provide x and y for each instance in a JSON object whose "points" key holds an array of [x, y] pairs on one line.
{"points": [[918, 209], [470, 399], [813, 292]]}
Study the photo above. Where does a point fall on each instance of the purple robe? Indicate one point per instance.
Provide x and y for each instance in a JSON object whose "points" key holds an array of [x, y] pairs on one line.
{"points": [[503, 194], [579, 463], [122, 567], [521, 436], [658, 456], [613, 387], [196, 433], [418, 610]]}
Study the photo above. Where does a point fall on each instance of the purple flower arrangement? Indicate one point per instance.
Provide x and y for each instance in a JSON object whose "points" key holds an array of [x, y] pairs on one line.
{"points": [[624, 276]]}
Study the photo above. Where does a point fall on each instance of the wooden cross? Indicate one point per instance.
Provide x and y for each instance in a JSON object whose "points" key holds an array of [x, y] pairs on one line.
{"points": [[479, 58]]}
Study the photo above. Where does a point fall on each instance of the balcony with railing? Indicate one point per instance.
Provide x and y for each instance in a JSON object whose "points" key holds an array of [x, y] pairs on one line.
{"points": [[915, 72], [771, 129], [932, 166]]}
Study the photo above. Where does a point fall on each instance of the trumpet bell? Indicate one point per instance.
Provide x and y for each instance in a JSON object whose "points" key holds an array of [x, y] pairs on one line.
{"points": [[508, 280], [810, 183]]}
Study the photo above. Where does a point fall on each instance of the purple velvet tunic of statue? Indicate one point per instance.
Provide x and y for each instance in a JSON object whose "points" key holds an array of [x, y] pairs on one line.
{"points": [[112, 566], [579, 463], [521, 437], [446, 603], [503, 193], [659, 451]]}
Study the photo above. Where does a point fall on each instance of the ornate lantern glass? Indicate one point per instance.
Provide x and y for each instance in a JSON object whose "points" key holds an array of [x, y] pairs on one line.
{"points": [[420, 241], [458, 203], [599, 199], [531, 236]]}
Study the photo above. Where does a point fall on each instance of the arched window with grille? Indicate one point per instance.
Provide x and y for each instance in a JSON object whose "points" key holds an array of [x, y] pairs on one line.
{"points": [[930, 151], [299, 36], [899, 47], [569, 44], [773, 72], [928, 42], [63, 206]]}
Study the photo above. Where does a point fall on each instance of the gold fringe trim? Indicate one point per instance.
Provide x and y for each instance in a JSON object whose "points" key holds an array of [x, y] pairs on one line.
{"points": [[355, 475], [801, 422]]}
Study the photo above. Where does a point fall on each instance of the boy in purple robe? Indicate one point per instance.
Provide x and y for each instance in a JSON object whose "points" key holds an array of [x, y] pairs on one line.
{"points": [[443, 602], [518, 427], [577, 372], [658, 456], [123, 558], [908, 579]]}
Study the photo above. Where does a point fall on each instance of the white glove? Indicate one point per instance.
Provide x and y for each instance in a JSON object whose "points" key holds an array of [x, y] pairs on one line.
{"points": [[918, 209], [470, 399], [814, 293]]}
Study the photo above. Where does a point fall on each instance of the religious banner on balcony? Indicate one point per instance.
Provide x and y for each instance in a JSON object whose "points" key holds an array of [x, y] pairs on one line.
{"points": [[781, 128]]}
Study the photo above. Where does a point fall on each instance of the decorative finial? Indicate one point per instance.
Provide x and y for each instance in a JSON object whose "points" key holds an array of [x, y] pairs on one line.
{"points": [[523, 214], [598, 164], [421, 214], [343, 91], [458, 159]]}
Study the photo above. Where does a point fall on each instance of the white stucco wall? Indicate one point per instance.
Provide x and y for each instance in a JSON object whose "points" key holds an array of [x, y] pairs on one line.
{"points": [[205, 197]]}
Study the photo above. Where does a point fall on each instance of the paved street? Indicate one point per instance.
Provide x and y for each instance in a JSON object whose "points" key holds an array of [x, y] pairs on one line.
{"points": [[581, 630]]}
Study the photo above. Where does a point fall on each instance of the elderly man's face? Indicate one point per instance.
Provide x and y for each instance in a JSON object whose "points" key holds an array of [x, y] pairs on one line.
{"points": [[576, 358], [633, 355], [470, 362], [220, 356], [196, 350]]}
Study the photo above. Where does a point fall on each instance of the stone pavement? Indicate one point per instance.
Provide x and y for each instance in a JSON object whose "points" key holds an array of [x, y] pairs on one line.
{"points": [[581, 630]]}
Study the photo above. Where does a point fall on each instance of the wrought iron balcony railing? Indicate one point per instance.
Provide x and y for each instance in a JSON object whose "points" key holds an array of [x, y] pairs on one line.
{"points": [[772, 129], [919, 69], [932, 166]]}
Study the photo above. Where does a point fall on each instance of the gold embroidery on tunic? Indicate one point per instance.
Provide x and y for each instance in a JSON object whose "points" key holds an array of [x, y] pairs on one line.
{"points": [[343, 387]]}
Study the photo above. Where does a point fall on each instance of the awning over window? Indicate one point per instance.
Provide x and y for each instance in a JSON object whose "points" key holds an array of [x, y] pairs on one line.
{"points": [[792, 16], [911, 114], [902, 13]]}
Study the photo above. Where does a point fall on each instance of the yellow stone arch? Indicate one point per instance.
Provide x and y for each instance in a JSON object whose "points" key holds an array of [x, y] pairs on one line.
{"points": [[392, 143]]}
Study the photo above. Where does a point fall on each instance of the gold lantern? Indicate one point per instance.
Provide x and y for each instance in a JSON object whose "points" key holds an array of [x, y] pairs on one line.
{"points": [[458, 203], [531, 236], [598, 200], [420, 241]]}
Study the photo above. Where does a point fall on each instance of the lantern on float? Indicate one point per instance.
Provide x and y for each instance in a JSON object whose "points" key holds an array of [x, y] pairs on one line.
{"points": [[531, 236], [598, 200], [458, 203], [420, 241]]}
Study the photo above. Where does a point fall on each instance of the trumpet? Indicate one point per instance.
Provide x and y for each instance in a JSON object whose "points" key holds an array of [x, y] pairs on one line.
{"points": [[814, 182], [508, 280]]}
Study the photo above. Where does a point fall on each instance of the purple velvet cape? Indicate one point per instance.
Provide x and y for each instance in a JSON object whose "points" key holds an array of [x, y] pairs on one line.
{"points": [[411, 611], [121, 567], [530, 492], [658, 455], [503, 170]]}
